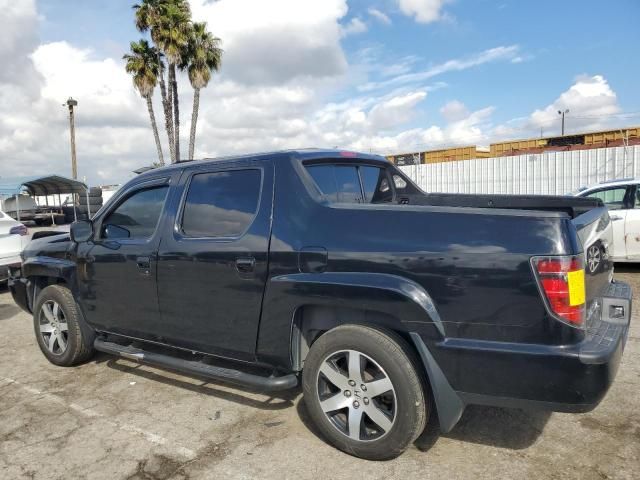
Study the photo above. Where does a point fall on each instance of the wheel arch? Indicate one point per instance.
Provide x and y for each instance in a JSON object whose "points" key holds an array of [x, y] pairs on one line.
{"points": [[299, 306], [315, 303], [42, 272]]}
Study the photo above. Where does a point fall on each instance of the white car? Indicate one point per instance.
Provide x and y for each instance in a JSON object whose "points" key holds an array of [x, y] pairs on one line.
{"points": [[13, 238], [622, 198]]}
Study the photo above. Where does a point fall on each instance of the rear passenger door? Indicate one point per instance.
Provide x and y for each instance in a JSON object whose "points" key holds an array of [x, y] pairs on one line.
{"points": [[212, 268]]}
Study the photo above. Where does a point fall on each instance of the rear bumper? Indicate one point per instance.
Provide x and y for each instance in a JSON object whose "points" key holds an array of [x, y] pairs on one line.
{"points": [[565, 378]]}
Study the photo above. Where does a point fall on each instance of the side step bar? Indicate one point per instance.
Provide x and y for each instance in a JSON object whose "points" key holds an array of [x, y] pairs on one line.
{"points": [[236, 377]]}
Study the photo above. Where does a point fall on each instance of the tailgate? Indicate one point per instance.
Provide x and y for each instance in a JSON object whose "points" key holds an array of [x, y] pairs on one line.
{"points": [[596, 235]]}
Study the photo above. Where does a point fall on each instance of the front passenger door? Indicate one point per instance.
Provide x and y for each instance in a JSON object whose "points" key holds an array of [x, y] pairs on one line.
{"points": [[618, 201], [632, 227], [117, 271]]}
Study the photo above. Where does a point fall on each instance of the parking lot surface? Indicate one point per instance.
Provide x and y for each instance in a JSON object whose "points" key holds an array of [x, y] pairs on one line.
{"points": [[115, 419]]}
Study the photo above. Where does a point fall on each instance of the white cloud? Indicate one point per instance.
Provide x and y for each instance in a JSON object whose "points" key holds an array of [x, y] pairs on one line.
{"points": [[276, 41], [380, 16], [454, 110], [424, 11], [395, 111], [18, 37], [355, 26], [491, 55], [283, 63], [591, 103]]}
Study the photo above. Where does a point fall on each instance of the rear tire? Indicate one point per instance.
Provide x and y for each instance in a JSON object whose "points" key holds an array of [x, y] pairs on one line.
{"points": [[379, 421], [57, 325]]}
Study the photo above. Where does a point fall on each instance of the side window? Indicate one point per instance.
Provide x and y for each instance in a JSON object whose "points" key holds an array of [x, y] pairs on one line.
{"points": [[339, 183], [375, 184], [613, 198], [399, 182], [137, 216], [221, 204]]}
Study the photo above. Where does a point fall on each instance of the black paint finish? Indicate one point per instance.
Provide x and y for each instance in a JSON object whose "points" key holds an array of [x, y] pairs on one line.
{"points": [[458, 277]]}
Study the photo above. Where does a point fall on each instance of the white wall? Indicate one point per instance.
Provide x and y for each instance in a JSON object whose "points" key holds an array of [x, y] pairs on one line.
{"points": [[550, 173]]}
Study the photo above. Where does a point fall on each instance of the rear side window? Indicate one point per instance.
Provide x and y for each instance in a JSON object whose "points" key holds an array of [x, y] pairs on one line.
{"points": [[221, 204], [351, 183], [137, 216], [339, 183], [375, 184]]}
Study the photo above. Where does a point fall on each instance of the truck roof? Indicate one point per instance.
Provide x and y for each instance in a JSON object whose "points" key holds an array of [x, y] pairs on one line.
{"points": [[299, 154]]}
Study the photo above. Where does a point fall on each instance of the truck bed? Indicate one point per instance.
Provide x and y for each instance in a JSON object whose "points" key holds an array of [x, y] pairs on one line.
{"points": [[573, 206]]}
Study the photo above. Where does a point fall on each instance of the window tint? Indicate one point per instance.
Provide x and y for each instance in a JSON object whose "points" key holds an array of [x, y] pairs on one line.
{"points": [[221, 204], [339, 183], [375, 184], [613, 198], [137, 216]]}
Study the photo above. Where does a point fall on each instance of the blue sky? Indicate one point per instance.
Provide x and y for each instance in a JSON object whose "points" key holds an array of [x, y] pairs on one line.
{"points": [[558, 40], [384, 75]]}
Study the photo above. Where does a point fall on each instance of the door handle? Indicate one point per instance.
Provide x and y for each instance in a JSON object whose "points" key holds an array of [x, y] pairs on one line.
{"points": [[614, 218], [245, 264], [144, 263]]}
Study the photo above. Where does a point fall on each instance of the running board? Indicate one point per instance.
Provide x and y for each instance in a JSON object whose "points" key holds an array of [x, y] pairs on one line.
{"points": [[236, 377]]}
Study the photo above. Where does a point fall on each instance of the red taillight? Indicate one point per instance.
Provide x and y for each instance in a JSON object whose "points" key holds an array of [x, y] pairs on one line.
{"points": [[561, 280], [18, 230]]}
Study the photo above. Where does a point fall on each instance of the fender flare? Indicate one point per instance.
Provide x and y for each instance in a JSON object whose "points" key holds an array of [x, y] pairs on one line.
{"points": [[400, 297], [49, 267], [56, 268], [404, 306]]}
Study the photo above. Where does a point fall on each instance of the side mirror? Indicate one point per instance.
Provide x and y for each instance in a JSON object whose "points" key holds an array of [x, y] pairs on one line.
{"points": [[81, 231]]}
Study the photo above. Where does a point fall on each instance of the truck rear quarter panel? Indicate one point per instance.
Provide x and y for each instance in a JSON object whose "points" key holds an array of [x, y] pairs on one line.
{"points": [[472, 264]]}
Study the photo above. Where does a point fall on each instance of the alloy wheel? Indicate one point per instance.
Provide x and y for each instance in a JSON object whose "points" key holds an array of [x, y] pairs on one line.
{"points": [[356, 395], [53, 327]]}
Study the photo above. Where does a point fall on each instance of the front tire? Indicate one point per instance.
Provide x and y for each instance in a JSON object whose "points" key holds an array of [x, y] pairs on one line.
{"points": [[363, 392], [56, 321]]}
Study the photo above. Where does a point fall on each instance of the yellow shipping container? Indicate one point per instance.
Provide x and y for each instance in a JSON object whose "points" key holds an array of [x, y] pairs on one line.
{"points": [[501, 148], [610, 136], [450, 154]]}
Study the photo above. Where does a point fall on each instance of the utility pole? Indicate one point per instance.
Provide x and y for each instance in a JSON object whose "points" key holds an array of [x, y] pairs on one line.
{"points": [[560, 112], [71, 103]]}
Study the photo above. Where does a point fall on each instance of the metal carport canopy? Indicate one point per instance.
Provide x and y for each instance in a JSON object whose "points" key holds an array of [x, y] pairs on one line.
{"points": [[41, 185]]}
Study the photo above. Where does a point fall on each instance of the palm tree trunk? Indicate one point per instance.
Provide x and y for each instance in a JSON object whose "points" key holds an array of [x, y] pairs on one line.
{"points": [[154, 126], [168, 117], [176, 110], [194, 121]]}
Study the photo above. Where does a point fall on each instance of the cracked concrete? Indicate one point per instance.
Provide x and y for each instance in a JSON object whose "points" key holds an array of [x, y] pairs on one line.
{"points": [[115, 419]]}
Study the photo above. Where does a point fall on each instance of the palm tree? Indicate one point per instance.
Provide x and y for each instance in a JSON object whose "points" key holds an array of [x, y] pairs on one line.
{"points": [[202, 56], [147, 18], [142, 64], [174, 25]]}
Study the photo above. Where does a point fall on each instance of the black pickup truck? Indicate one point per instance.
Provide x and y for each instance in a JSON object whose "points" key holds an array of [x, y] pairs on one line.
{"points": [[333, 270]]}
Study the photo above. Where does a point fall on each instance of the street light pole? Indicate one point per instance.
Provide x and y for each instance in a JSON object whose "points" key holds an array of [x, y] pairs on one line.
{"points": [[560, 112], [71, 103]]}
